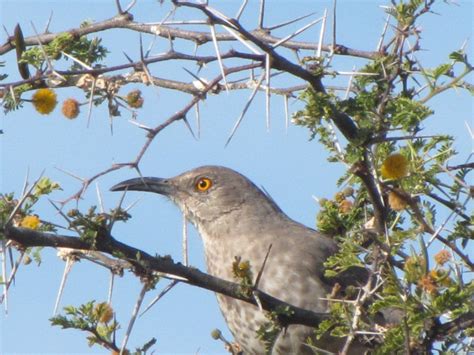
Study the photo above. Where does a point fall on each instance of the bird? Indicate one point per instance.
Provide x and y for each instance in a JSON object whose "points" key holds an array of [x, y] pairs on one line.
{"points": [[237, 219]]}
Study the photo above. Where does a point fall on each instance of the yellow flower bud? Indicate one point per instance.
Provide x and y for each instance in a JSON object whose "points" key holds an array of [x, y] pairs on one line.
{"points": [[44, 101], [31, 222], [394, 167]]}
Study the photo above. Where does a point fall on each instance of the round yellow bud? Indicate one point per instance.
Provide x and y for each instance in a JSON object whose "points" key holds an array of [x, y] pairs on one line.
{"points": [[30, 222], [394, 167], [44, 101]]}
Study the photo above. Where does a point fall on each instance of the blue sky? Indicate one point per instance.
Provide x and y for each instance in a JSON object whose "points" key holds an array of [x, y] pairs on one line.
{"points": [[290, 167]]}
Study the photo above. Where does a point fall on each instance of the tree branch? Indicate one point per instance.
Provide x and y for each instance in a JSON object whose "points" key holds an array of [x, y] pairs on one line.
{"points": [[125, 21], [343, 122], [144, 262]]}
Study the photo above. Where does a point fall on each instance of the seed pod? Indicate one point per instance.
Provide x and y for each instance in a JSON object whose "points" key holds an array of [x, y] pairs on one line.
{"points": [[20, 47]]}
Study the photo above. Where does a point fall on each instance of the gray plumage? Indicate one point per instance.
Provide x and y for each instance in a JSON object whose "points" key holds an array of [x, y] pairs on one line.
{"points": [[235, 218]]}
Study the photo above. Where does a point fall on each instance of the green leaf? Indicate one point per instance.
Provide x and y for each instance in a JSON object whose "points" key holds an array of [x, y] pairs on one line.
{"points": [[458, 56]]}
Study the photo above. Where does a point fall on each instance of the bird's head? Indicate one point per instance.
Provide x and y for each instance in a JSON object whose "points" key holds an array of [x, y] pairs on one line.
{"points": [[206, 193]]}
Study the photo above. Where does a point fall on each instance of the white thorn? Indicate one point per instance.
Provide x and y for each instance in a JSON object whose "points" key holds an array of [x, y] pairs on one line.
{"points": [[290, 36], [219, 59], [67, 269], [287, 116], [267, 91], [321, 34], [247, 105]]}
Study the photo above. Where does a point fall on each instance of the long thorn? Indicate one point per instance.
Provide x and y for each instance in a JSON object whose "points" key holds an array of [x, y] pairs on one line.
{"points": [[198, 120], [382, 36], [48, 61], [67, 269], [321, 34], [12, 273], [247, 105], [185, 240], [99, 197], [283, 24], [70, 174], [334, 22], [91, 98], [129, 7], [349, 85], [150, 47], [140, 41], [160, 295], [261, 14], [25, 182], [189, 127], [50, 18], [138, 304], [267, 90], [287, 116], [119, 7], [219, 59], [290, 36], [74, 59], [111, 287], [61, 213], [238, 37], [4, 275], [241, 9], [260, 272], [204, 84]]}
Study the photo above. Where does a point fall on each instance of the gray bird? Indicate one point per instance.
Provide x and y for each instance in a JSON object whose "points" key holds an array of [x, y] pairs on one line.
{"points": [[236, 219]]}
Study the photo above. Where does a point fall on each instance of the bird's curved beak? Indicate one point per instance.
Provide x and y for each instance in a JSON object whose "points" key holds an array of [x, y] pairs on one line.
{"points": [[149, 184]]}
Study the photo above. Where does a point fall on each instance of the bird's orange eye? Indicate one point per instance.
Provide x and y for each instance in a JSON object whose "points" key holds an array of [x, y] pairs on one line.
{"points": [[203, 184]]}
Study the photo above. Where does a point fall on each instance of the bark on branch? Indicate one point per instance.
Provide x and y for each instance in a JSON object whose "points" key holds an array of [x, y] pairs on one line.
{"points": [[144, 262]]}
